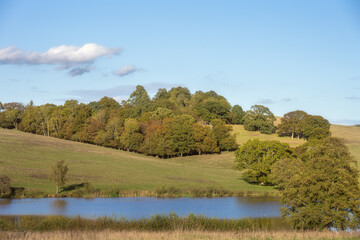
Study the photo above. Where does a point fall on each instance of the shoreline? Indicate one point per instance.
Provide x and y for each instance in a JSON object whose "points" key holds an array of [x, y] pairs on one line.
{"points": [[162, 192]]}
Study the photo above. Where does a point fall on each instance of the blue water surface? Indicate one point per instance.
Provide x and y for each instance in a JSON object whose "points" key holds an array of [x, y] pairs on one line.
{"points": [[139, 207]]}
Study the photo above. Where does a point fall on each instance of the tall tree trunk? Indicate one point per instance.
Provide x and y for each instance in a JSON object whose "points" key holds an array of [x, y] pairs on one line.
{"points": [[47, 127], [57, 189], [292, 135]]}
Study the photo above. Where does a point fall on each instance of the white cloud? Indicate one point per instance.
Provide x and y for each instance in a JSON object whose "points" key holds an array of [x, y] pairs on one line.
{"points": [[126, 70], [266, 101], [65, 57]]}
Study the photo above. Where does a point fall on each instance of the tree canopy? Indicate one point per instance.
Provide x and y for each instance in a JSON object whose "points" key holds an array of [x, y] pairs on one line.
{"points": [[58, 174], [172, 123], [259, 118], [292, 124], [255, 158], [320, 188]]}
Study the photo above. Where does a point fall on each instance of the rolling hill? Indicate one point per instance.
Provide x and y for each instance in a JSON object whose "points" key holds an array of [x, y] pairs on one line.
{"points": [[27, 158]]}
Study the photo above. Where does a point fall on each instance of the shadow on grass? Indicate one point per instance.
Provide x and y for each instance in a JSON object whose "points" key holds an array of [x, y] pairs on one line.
{"points": [[73, 187]]}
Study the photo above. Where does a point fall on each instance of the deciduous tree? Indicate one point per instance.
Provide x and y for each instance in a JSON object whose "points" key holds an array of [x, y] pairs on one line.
{"points": [[58, 174], [322, 189], [259, 118], [292, 124], [316, 127], [255, 158]]}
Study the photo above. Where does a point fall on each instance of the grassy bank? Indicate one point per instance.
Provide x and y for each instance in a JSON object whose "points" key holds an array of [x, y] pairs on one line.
{"points": [[176, 235], [156, 227]]}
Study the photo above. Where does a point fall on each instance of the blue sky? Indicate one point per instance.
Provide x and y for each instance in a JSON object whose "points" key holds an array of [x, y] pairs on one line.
{"points": [[286, 55]]}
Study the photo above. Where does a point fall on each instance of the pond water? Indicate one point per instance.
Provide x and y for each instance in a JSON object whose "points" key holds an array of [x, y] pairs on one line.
{"points": [[138, 207]]}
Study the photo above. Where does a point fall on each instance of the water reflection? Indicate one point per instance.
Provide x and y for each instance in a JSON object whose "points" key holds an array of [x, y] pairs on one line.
{"points": [[5, 202], [135, 207], [59, 204], [257, 200]]}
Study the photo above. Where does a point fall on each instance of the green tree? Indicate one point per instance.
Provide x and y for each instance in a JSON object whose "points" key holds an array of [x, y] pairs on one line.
{"points": [[58, 174], [29, 120], [322, 190], [80, 114], [210, 105], [180, 129], [255, 158], [221, 134], [204, 143], [162, 100], [132, 136], [238, 114], [259, 118], [140, 100], [292, 124], [161, 113], [316, 127], [14, 117], [44, 116]]}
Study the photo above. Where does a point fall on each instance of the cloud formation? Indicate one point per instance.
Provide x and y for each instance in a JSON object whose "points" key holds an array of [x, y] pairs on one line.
{"points": [[75, 58], [266, 101], [126, 70]]}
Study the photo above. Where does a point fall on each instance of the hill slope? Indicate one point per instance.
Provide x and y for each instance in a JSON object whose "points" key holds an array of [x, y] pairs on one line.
{"points": [[351, 136], [26, 159]]}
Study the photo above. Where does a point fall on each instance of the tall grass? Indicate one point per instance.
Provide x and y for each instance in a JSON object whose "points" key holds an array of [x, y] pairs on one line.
{"points": [[171, 222], [176, 235]]}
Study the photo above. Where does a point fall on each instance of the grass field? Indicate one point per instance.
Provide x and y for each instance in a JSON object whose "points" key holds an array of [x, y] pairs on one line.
{"points": [[351, 136], [242, 136], [26, 159]]}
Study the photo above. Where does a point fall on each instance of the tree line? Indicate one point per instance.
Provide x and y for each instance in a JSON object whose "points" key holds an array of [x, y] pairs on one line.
{"points": [[172, 123]]}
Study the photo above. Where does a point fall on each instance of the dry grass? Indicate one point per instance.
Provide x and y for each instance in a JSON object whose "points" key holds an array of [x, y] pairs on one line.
{"points": [[178, 235], [351, 136], [242, 136]]}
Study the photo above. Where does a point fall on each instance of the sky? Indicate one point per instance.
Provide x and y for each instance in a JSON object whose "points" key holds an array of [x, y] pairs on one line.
{"points": [[286, 55]]}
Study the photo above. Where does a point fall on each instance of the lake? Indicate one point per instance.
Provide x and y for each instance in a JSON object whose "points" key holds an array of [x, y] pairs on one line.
{"points": [[138, 207]]}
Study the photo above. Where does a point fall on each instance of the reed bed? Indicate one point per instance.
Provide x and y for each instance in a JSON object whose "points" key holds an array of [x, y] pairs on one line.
{"points": [[171, 222], [175, 235]]}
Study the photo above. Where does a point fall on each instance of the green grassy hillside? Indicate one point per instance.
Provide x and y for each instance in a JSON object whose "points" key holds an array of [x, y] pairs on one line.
{"points": [[26, 159]]}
